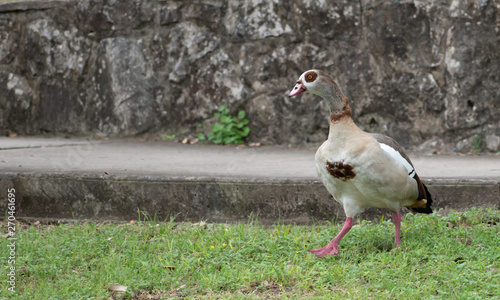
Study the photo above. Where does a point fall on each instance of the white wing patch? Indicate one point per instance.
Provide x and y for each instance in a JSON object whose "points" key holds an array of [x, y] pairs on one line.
{"points": [[398, 158]]}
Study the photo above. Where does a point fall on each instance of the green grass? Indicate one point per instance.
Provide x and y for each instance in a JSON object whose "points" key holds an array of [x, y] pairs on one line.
{"points": [[440, 257]]}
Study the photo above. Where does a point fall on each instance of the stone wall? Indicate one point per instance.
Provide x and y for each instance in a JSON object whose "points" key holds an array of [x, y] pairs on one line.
{"points": [[424, 72]]}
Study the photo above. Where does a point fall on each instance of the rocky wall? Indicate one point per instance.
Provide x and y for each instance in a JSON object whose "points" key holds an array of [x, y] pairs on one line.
{"points": [[424, 72]]}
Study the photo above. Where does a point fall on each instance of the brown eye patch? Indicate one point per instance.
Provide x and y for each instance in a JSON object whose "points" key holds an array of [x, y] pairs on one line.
{"points": [[310, 76]]}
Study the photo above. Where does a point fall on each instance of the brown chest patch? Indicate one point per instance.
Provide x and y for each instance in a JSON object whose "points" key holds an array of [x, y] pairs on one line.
{"points": [[340, 170]]}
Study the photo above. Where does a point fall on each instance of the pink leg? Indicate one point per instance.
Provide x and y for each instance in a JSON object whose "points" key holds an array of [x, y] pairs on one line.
{"points": [[333, 247], [397, 225]]}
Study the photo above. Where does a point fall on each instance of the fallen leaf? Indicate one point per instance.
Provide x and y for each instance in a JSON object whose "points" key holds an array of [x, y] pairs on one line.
{"points": [[492, 268], [202, 224], [170, 268], [117, 288], [37, 224], [466, 242], [24, 272]]}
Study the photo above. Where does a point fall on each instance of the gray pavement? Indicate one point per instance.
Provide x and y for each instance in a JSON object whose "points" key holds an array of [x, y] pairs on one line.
{"points": [[80, 175], [164, 158]]}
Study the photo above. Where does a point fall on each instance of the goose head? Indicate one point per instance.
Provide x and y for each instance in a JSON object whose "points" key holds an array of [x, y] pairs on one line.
{"points": [[320, 83]]}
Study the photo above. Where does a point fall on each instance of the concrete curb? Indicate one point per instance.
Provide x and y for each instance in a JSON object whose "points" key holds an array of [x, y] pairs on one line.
{"points": [[119, 198]]}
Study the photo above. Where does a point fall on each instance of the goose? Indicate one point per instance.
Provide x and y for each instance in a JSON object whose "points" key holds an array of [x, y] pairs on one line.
{"points": [[360, 169]]}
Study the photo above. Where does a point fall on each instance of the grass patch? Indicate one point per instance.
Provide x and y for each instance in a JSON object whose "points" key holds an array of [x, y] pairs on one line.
{"points": [[455, 256]]}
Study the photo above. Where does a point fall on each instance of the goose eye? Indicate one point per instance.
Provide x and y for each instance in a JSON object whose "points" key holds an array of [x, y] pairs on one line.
{"points": [[311, 76]]}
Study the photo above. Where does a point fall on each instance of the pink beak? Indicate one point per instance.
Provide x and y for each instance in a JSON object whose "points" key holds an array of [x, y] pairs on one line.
{"points": [[299, 88]]}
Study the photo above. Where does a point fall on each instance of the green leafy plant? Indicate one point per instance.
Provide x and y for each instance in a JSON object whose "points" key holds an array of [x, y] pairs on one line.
{"points": [[167, 137], [477, 142], [229, 130]]}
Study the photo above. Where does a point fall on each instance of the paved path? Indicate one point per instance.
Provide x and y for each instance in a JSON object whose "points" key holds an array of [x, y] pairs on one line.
{"points": [[132, 157]]}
